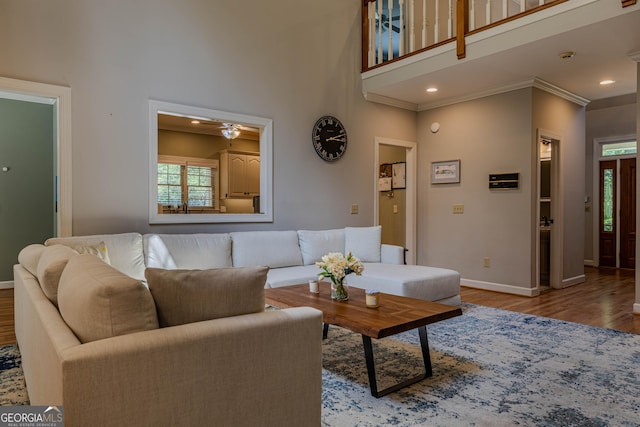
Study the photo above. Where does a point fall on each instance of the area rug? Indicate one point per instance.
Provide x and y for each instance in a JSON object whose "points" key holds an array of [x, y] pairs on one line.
{"points": [[13, 390], [490, 368]]}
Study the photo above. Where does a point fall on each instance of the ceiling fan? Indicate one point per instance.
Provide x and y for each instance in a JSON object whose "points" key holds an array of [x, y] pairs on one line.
{"points": [[230, 130], [385, 22], [227, 129]]}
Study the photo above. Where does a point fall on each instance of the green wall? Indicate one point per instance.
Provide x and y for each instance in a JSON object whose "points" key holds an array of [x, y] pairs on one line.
{"points": [[26, 189]]}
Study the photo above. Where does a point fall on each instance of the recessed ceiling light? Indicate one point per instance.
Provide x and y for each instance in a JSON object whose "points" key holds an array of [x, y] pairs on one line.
{"points": [[195, 122], [432, 89], [607, 82], [566, 55]]}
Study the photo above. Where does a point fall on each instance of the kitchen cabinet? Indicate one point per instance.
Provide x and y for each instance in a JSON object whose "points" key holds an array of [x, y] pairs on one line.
{"points": [[239, 174]]}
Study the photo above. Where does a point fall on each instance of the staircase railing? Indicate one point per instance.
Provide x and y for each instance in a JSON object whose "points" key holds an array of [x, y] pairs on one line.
{"points": [[395, 29]]}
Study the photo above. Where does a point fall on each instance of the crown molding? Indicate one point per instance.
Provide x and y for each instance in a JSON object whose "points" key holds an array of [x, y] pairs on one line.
{"points": [[536, 83], [558, 91], [475, 95], [393, 102], [635, 56]]}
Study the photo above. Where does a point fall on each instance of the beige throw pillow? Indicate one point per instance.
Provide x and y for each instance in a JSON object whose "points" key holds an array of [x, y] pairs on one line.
{"points": [[51, 264], [186, 296], [30, 256], [97, 301]]}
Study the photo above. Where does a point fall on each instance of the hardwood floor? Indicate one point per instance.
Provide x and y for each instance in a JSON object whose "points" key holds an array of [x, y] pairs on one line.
{"points": [[7, 334], [605, 300]]}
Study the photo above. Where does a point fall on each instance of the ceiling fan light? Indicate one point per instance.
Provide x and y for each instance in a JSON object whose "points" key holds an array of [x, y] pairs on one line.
{"points": [[231, 133]]}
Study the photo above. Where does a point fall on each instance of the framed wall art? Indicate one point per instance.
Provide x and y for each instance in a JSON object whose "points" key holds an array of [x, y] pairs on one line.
{"points": [[446, 172]]}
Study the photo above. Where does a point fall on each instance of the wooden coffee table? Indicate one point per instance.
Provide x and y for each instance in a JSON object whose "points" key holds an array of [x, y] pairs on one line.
{"points": [[394, 315]]}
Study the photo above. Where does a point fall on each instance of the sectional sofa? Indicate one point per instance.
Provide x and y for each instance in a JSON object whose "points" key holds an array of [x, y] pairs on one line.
{"points": [[99, 335]]}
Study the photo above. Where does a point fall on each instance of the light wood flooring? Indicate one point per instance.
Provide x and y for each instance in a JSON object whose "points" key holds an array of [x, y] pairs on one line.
{"points": [[605, 300]]}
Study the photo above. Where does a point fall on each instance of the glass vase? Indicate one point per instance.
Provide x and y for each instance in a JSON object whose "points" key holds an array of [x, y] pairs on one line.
{"points": [[340, 291]]}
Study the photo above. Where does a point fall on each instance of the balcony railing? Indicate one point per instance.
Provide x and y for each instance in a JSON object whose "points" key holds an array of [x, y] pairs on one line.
{"points": [[396, 29]]}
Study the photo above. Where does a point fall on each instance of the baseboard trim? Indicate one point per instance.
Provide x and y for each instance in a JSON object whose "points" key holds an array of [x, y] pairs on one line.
{"points": [[636, 308], [6, 285], [499, 287], [573, 281], [590, 263]]}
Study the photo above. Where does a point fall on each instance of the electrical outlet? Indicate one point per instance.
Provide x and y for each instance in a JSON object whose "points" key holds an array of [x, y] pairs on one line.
{"points": [[354, 209], [395, 209], [486, 262], [458, 209]]}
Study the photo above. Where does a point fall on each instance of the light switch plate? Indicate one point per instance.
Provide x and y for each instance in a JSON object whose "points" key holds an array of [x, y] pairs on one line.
{"points": [[458, 209]]}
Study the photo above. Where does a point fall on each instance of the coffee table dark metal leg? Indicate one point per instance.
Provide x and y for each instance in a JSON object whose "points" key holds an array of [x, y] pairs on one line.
{"points": [[325, 331], [371, 369]]}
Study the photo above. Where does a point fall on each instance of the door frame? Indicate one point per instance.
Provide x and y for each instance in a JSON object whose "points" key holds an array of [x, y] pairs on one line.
{"points": [[557, 211], [60, 98], [411, 190], [595, 197]]}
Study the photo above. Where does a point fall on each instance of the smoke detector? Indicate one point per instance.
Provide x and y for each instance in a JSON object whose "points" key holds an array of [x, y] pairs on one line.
{"points": [[566, 55]]}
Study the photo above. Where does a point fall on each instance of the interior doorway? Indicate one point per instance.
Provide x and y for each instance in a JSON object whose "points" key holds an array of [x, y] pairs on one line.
{"points": [[59, 98], [395, 197], [27, 191], [549, 212]]}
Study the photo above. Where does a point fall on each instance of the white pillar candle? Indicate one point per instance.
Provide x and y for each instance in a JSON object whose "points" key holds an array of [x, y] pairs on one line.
{"points": [[313, 286], [372, 298]]}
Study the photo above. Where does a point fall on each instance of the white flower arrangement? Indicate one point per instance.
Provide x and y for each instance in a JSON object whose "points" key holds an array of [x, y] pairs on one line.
{"points": [[336, 266]]}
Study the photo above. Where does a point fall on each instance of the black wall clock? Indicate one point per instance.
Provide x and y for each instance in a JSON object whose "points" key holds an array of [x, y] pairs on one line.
{"points": [[329, 138]]}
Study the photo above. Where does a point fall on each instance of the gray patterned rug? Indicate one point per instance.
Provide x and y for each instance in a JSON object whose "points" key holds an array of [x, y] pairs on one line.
{"points": [[13, 390], [490, 368]]}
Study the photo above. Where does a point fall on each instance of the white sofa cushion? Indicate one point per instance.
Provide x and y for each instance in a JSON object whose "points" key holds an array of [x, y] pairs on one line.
{"points": [[97, 301], [363, 242], [315, 244], [187, 296], [291, 275], [51, 264], [99, 250], [125, 250], [391, 254], [270, 248], [187, 251], [415, 281]]}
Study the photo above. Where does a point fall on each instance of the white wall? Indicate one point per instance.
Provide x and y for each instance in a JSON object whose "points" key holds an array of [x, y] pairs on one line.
{"points": [[488, 135], [289, 61], [497, 134], [567, 120]]}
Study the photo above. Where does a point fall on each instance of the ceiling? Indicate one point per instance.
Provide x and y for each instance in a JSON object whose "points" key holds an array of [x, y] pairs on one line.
{"points": [[204, 127], [602, 51]]}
